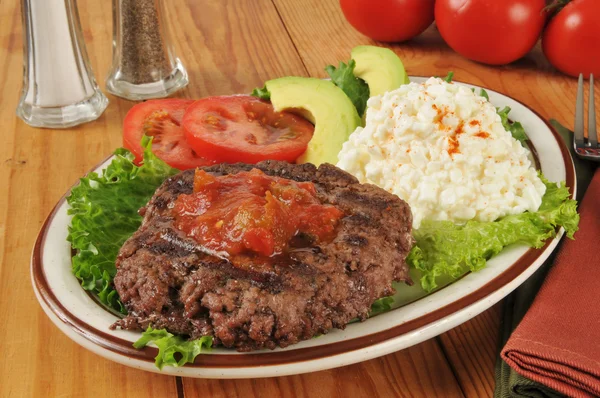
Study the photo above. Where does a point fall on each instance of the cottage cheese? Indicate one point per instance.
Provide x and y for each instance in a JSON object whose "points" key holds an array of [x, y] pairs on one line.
{"points": [[443, 149]]}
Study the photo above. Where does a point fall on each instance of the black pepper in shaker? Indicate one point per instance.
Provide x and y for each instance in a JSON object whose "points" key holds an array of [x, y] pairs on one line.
{"points": [[144, 64]]}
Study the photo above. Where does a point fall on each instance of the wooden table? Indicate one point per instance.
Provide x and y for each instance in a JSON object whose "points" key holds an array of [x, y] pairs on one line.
{"points": [[227, 47]]}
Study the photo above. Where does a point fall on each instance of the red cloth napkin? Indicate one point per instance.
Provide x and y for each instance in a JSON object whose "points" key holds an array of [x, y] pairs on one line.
{"points": [[558, 341]]}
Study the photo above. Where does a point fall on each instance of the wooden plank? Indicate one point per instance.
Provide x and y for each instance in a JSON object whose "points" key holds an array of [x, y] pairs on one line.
{"points": [[419, 371], [37, 166], [230, 47], [471, 350]]}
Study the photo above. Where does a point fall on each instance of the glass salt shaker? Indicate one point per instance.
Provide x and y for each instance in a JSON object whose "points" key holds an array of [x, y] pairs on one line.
{"points": [[59, 89], [144, 63]]}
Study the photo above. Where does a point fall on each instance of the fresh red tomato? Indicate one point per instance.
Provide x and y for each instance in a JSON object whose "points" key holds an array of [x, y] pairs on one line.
{"points": [[242, 128], [389, 20], [161, 119], [571, 41], [490, 31]]}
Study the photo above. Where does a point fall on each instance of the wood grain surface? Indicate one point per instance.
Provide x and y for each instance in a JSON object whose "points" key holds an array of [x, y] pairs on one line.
{"points": [[227, 47]]}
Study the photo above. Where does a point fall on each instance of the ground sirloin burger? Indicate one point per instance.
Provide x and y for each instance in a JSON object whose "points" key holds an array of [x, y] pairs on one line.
{"points": [[260, 256], [443, 149]]}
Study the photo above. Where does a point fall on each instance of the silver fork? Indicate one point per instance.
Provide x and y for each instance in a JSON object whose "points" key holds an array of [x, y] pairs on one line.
{"points": [[586, 148]]}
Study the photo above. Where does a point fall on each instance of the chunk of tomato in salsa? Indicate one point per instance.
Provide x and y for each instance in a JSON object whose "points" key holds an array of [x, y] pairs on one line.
{"points": [[251, 212]]}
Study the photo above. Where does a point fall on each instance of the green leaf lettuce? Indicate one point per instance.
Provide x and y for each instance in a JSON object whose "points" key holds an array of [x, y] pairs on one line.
{"points": [[356, 89], [173, 350], [382, 305], [445, 248], [515, 128], [261, 93], [105, 214], [449, 77]]}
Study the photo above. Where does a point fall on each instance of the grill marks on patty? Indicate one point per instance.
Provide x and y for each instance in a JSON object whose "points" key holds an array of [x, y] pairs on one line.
{"points": [[166, 281]]}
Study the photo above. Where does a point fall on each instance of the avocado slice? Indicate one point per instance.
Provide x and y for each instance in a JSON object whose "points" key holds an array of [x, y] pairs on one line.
{"points": [[380, 67], [325, 105]]}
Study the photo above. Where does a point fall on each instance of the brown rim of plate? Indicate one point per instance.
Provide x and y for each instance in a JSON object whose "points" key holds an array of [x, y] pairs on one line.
{"points": [[125, 348]]}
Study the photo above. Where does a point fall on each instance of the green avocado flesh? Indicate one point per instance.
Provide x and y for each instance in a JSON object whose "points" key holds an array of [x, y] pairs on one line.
{"points": [[380, 67], [325, 105]]}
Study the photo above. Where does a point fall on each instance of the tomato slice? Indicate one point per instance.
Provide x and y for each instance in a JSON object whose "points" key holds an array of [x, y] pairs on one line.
{"points": [[161, 119], [242, 128]]}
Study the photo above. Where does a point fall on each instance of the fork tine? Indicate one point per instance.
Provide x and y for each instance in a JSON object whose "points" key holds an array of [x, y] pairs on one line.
{"points": [[592, 134], [579, 129]]}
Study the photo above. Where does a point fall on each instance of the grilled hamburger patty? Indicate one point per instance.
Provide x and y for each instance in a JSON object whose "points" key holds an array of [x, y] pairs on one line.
{"points": [[166, 281]]}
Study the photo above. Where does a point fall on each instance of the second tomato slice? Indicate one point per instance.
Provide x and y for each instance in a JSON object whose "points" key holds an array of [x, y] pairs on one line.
{"points": [[242, 128]]}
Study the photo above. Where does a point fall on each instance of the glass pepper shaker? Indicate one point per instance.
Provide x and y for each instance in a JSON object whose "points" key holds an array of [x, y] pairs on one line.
{"points": [[144, 63], [59, 89]]}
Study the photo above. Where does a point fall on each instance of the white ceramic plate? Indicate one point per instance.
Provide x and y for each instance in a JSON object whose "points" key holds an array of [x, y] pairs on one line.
{"points": [[418, 316]]}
